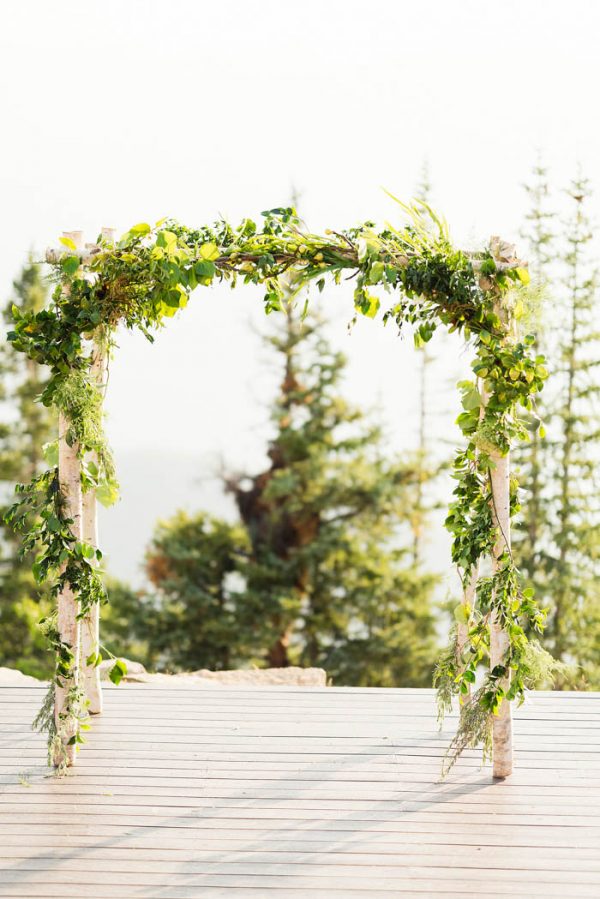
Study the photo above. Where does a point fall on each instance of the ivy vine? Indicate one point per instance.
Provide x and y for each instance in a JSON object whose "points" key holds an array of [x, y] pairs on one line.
{"points": [[148, 276]]}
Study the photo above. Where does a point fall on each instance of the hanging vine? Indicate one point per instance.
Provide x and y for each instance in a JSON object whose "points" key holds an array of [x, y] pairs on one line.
{"points": [[149, 275]]}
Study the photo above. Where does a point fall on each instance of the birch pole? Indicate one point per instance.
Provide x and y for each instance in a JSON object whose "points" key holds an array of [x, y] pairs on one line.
{"points": [[90, 624], [502, 743], [502, 753], [470, 588], [468, 602], [69, 475]]}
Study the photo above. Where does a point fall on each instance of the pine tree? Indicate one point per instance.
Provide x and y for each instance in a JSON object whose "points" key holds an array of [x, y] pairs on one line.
{"points": [[326, 570], [316, 517], [421, 509], [532, 460], [192, 620], [26, 425], [573, 630]]}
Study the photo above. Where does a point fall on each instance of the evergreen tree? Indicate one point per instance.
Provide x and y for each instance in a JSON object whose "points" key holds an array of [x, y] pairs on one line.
{"points": [[124, 625], [573, 630], [192, 620], [327, 578], [420, 512], [532, 459], [25, 426]]}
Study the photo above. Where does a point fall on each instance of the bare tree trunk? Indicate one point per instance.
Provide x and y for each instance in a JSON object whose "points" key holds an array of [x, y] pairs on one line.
{"points": [[499, 640], [278, 654], [68, 604]]}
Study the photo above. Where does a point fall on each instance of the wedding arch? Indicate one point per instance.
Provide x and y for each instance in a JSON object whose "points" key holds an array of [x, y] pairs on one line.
{"points": [[147, 276]]}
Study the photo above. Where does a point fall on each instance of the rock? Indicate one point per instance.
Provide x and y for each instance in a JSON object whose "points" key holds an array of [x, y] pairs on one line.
{"points": [[259, 677], [266, 677], [251, 677], [10, 677]]}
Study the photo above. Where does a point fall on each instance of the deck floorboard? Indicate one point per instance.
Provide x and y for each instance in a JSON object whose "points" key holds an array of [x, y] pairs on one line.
{"points": [[283, 793]]}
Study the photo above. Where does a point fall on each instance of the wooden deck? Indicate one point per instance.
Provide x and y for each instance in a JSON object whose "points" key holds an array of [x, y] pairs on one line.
{"points": [[269, 793]]}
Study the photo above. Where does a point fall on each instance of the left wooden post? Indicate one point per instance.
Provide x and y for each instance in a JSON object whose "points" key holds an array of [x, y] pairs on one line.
{"points": [[502, 731], [69, 629]]}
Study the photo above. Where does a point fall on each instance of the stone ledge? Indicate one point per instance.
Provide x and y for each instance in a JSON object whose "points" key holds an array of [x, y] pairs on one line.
{"points": [[259, 677]]}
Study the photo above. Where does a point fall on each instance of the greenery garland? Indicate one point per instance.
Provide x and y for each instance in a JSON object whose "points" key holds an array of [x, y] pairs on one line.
{"points": [[148, 276]]}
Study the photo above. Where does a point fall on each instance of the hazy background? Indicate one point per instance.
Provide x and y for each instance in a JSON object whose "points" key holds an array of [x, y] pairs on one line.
{"points": [[120, 112]]}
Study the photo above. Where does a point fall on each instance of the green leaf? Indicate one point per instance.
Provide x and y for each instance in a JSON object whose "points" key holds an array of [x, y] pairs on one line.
{"points": [[70, 264], [140, 229], [366, 247], [366, 303], [168, 241], [107, 494], [471, 399], [205, 270], [461, 614], [376, 273], [67, 242], [87, 551], [118, 671], [50, 453], [94, 659], [523, 275], [209, 251], [54, 524]]}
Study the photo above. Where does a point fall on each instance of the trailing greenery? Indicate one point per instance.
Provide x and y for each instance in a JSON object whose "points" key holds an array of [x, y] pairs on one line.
{"points": [[148, 276]]}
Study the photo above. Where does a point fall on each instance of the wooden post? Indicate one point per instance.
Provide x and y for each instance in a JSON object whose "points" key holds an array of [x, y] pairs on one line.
{"points": [[470, 589], [502, 753], [468, 601], [90, 623], [69, 475]]}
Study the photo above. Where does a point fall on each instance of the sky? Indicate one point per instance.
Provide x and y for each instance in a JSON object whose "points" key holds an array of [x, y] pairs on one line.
{"points": [[122, 111]]}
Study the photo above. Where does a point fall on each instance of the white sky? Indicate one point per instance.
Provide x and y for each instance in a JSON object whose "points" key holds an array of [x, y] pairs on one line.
{"points": [[122, 111]]}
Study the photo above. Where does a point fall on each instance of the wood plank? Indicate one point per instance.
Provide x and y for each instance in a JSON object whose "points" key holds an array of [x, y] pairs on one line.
{"points": [[287, 851], [299, 864], [451, 793], [173, 838], [462, 880], [272, 888], [403, 799]]}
